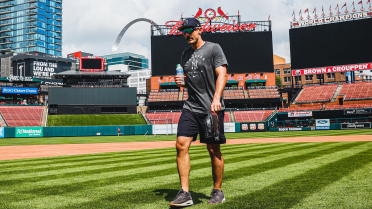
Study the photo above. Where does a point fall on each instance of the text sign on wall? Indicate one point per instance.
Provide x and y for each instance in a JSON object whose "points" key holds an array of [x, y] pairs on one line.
{"points": [[357, 111], [43, 69], [363, 125], [300, 114], [322, 124], [334, 69], [29, 132], [13, 90]]}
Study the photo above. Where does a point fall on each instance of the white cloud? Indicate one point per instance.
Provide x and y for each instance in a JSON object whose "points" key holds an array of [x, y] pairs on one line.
{"points": [[92, 26]]}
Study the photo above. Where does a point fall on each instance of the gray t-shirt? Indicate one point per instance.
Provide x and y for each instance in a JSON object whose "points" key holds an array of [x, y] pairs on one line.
{"points": [[199, 66]]}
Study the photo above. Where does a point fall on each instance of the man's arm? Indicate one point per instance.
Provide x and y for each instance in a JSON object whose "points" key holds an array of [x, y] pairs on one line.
{"points": [[220, 86]]}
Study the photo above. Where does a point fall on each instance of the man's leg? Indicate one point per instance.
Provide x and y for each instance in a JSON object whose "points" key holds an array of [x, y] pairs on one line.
{"points": [[183, 160], [217, 164]]}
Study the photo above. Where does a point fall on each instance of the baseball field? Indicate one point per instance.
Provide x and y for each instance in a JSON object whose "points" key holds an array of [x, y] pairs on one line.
{"points": [[257, 175]]}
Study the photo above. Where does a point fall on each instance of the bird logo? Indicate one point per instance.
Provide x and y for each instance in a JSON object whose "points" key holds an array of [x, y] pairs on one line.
{"points": [[219, 10], [210, 14]]}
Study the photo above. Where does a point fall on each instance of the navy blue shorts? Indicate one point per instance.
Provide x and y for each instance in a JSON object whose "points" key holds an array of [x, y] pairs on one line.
{"points": [[191, 124]]}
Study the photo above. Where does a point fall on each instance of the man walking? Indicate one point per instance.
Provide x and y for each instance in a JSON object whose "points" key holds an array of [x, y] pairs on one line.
{"points": [[204, 65]]}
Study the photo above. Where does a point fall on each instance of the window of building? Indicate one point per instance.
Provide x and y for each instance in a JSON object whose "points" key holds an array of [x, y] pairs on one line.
{"points": [[287, 71], [319, 76], [298, 78], [277, 72], [330, 75], [287, 79], [309, 77]]}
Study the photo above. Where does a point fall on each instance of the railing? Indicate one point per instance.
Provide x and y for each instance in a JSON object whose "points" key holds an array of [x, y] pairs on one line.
{"points": [[4, 5], [31, 24]]}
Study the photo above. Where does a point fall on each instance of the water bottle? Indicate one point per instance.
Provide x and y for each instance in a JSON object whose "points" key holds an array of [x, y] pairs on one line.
{"points": [[179, 71]]}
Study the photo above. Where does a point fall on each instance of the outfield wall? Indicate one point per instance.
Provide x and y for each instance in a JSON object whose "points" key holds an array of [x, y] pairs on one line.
{"points": [[78, 131]]}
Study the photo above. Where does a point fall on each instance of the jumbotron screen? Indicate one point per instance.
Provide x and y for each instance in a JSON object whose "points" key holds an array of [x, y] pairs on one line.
{"points": [[91, 63], [333, 44], [245, 52]]}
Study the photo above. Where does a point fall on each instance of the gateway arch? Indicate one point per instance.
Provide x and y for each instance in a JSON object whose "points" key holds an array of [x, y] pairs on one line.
{"points": [[121, 34]]}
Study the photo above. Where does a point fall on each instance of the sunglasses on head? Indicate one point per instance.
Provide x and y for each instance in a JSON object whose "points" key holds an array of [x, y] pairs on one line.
{"points": [[188, 30]]}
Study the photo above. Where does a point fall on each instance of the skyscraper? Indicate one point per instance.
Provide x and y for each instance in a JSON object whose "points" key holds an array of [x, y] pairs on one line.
{"points": [[31, 26]]}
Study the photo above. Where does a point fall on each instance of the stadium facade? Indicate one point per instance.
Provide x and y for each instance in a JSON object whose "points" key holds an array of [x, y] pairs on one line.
{"points": [[31, 26]]}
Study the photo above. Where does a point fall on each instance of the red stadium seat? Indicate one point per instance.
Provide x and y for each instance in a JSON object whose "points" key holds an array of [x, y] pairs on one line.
{"points": [[22, 116]]}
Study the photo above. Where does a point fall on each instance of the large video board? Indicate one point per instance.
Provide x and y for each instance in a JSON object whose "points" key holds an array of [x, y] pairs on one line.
{"points": [[245, 52], [335, 44]]}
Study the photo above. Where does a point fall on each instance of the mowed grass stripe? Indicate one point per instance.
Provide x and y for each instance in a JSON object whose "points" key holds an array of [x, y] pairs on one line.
{"points": [[131, 193], [351, 191], [237, 183], [287, 186], [139, 162], [203, 174], [132, 173], [112, 158], [92, 157]]}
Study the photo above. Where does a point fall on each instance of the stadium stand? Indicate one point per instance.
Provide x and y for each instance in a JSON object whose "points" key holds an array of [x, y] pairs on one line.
{"points": [[294, 109], [22, 116], [319, 93], [233, 93], [263, 92], [351, 106], [163, 95], [156, 116], [227, 117], [185, 94], [357, 91], [250, 116]]}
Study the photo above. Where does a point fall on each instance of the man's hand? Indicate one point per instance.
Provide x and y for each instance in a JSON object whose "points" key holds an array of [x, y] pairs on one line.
{"points": [[216, 106], [179, 81]]}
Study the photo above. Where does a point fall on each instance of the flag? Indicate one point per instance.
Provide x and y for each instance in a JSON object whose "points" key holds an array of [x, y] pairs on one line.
{"points": [[293, 13], [343, 6], [307, 10], [336, 7], [330, 7], [368, 1], [360, 2], [314, 10], [322, 9], [269, 18], [299, 12]]}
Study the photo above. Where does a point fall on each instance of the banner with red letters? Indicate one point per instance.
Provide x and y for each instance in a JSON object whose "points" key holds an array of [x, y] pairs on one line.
{"points": [[334, 69]]}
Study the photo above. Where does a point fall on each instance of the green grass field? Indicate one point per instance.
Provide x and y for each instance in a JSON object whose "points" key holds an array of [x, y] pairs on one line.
{"points": [[95, 120], [141, 138], [276, 175]]}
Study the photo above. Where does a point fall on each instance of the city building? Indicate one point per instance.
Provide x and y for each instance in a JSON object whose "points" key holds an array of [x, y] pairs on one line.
{"points": [[136, 65], [31, 26], [133, 61]]}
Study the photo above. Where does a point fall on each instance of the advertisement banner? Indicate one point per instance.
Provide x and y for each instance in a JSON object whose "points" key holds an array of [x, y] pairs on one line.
{"points": [[334, 69], [252, 127], [290, 129], [1, 132], [29, 132], [229, 127], [165, 129], [14, 90], [300, 114], [357, 111], [363, 125], [322, 124]]}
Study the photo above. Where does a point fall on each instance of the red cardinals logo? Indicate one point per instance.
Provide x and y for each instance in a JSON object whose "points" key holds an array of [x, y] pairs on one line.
{"points": [[211, 14]]}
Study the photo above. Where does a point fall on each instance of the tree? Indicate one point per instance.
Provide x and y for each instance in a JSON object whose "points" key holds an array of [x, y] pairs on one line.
{"points": [[278, 81]]}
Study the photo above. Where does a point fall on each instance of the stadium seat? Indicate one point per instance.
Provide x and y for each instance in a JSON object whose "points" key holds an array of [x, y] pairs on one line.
{"points": [[319, 93], [22, 116], [250, 116]]}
